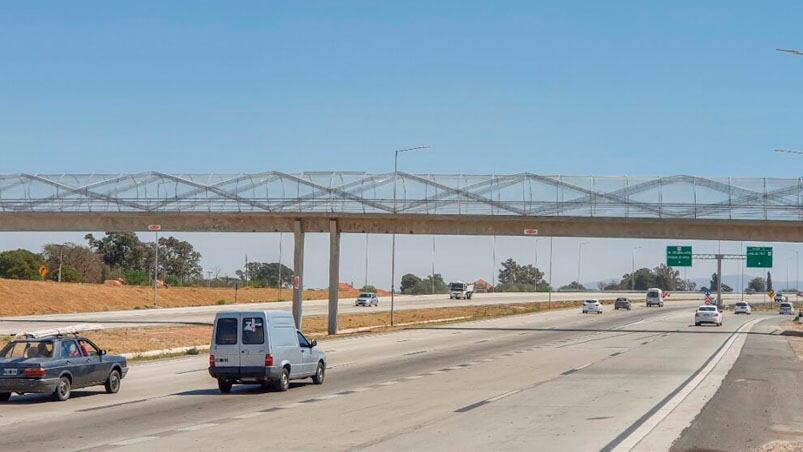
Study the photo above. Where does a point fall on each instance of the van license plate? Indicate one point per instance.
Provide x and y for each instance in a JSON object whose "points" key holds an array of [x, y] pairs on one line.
{"points": [[9, 372]]}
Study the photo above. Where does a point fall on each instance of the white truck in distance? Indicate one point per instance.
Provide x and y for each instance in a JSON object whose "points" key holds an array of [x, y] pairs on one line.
{"points": [[460, 290]]}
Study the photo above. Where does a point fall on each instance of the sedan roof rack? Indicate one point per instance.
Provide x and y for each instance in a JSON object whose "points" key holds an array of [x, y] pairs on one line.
{"points": [[74, 329]]}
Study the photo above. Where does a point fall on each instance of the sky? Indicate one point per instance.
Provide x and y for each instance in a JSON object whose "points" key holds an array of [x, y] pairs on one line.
{"points": [[575, 88]]}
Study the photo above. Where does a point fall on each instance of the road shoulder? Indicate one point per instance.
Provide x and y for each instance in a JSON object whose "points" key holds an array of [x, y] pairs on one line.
{"points": [[758, 402]]}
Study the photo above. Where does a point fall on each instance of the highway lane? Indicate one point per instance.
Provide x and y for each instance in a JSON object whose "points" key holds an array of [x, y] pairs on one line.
{"points": [[206, 314], [558, 379]]}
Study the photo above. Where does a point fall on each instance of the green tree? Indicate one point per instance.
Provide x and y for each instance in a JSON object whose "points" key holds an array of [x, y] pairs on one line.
{"points": [[668, 278], [267, 274], [520, 278], [20, 264], [769, 282], [70, 274], [82, 259], [368, 288], [136, 278], [122, 251], [179, 259], [409, 282], [725, 287], [758, 284], [425, 285], [573, 286]]}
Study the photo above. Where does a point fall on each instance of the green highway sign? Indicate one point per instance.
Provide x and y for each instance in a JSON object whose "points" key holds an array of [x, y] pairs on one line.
{"points": [[759, 256], [678, 256]]}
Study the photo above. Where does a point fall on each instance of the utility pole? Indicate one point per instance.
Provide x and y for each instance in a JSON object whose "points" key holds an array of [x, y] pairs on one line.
{"points": [[549, 300], [433, 265], [61, 259], [209, 278], [156, 270], [535, 266], [633, 267], [366, 260], [279, 295]]}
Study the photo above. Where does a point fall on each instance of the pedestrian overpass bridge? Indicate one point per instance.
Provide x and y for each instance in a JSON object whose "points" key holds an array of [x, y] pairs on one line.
{"points": [[672, 207]]}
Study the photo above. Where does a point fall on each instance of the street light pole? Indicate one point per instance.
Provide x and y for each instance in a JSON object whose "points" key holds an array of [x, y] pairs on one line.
{"points": [[579, 261], [393, 240], [633, 268]]}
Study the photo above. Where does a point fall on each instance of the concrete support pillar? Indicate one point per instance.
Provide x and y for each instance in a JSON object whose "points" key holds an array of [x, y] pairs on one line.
{"points": [[334, 274], [298, 271]]}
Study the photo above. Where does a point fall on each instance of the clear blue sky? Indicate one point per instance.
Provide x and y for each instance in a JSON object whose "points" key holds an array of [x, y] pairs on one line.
{"points": [[602, 88]]}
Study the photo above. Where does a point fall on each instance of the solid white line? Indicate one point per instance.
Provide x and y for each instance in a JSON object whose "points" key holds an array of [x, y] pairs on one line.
{"points": [[138, 439], [583, 366], [291, 405], [388, 383], [193, 428]]}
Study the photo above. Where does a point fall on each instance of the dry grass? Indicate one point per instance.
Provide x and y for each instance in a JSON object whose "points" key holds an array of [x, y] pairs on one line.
{"points": [[48, 297], [138, 340]]}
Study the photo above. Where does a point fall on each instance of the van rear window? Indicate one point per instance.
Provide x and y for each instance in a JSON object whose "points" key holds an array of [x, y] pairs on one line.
{"points": [[253, 331], [226, 332]]}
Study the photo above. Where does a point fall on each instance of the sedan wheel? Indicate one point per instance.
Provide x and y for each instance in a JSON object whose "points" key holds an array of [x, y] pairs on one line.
{"points": [[63, 390], [113, 382]]}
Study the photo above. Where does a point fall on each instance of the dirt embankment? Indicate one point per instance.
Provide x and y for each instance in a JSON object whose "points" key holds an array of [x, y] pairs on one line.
{"points": [[49, 297]]}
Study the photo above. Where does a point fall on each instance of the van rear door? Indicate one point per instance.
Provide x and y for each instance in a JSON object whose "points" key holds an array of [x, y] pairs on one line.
{"points": [[226, 341], [253, 345]]}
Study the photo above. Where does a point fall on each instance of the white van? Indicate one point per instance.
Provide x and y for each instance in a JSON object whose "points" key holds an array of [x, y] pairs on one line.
{"points": [[262, 347], [655, 297]]}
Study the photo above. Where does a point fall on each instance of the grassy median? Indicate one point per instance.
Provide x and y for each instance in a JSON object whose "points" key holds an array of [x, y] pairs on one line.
{"points": [[139, 340]]}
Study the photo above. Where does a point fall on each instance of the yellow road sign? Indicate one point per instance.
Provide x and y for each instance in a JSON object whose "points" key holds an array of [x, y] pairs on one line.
{"points": [[771, 294], [43, 271]]}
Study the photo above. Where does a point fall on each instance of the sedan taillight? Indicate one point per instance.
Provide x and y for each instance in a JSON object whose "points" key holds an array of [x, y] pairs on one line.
{"points": [[33, 372]]}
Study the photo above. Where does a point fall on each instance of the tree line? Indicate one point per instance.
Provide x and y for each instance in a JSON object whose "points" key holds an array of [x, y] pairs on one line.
{"points": [[116, 255]]}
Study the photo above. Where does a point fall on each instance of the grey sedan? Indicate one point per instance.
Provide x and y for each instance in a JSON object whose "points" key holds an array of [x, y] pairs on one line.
{"points": [[56, 365]]}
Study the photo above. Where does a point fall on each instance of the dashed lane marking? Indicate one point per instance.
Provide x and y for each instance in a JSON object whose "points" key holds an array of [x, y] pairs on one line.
{"points": [[193, 428]]}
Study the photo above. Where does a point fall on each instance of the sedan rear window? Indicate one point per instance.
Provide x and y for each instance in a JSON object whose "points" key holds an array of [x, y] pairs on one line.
{"points": [[226, 332], [27, 349], [741, 305], [707, 308]]}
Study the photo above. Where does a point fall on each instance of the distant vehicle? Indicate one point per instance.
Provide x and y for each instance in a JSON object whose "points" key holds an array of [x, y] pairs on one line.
{"points": [[622, 303], [742, 308], [592, 305], [460, 290], [367, 299], [655, 297], [56, 362], [786, 308], [707, 314], [780, 298], [262, 347], [750, 291]]}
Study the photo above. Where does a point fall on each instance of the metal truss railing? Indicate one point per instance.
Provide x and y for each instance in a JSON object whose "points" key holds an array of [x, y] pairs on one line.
{"points": [[523, 194]]}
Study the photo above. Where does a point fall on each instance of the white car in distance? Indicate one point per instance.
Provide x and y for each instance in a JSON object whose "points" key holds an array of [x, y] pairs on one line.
{"points": [[592, 305], [708, 314], [742, 308]]}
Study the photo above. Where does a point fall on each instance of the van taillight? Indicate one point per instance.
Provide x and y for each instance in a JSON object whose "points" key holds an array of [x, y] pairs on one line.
{"points": [[33, 372], [268, 361], [211, 360]]}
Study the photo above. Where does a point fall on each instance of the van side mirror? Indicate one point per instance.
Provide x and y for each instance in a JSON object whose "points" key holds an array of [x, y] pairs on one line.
{"points": [[313, 343]]}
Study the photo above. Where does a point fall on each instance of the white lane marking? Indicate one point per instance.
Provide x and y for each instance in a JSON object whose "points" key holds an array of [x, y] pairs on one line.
{"points": [[249, 415], [583, 366], [193, 428], [388, 383], [361, 389], [328, 397], [414, 377], [137, 440], [502, 396], [649, 424]]}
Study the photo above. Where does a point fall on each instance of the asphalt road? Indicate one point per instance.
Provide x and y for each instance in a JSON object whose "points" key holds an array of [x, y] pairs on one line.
{"points": [[206, 314], [550, 381]]}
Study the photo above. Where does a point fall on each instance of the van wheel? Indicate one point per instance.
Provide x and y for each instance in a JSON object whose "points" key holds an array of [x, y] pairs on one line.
{"points": [[63, 390], [113, 382], [4, 396], [224, 385], [283, 383], [319, 374]]}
